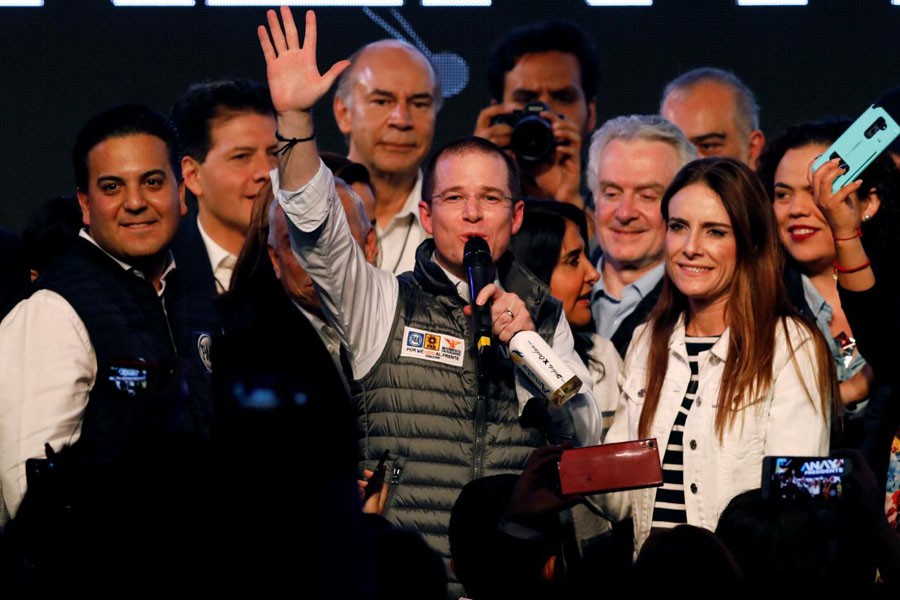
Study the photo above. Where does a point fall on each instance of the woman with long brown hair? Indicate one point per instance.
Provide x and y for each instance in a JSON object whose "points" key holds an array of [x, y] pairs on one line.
{"points": [[724, 372]]}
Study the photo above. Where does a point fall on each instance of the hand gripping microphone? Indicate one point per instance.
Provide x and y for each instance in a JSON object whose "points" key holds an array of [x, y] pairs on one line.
{"points": [[479, 268]]}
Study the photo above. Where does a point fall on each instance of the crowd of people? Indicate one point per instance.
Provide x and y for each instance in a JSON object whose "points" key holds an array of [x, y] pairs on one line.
{"points": [[206, 350]]}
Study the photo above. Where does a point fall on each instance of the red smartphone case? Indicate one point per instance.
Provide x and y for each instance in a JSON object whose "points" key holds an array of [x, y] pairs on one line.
{"points": [[610, 467]]}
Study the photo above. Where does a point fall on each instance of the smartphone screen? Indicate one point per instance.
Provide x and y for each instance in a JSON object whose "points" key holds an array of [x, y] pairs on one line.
{"points": [[128, 379], [804, 478]]}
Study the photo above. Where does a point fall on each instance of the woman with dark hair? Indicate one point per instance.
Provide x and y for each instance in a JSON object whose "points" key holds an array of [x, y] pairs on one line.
{"points": [[812, 268], [551, 243], [868, 288], [725, 371]]}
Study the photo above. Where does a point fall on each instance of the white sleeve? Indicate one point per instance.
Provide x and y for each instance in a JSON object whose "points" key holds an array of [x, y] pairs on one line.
{"points": [[586, 413], [47, 370], [796, 424], [359, 300]]}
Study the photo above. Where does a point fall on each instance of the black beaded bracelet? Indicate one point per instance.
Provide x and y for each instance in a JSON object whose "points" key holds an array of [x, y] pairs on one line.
{"points": [[291, 142]]}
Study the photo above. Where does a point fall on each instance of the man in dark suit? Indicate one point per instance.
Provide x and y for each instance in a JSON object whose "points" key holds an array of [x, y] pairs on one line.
{"points": [[227, 129]]}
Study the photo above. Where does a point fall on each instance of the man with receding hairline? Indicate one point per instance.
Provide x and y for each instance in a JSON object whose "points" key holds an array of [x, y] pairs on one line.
{"points": [[385, 104], [717, 112], [410, 341]]}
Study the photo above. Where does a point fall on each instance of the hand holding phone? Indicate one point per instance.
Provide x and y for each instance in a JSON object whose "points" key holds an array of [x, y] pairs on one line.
{"points": [[376, 481], [860, 144]]}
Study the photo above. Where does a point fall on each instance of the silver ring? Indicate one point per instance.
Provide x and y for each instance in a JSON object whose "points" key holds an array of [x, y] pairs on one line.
{"points": [[510, 313]]}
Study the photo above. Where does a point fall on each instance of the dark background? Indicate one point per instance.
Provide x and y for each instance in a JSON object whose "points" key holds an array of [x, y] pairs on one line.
{"points": [[61, 63]]}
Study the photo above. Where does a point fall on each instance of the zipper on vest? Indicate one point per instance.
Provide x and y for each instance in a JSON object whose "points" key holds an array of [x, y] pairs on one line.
{"points": [[480, 427], [162, 302]]}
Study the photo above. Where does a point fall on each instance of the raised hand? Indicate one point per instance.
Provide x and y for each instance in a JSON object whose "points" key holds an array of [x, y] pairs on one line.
{"points": [[294, 80], [840, 208]]}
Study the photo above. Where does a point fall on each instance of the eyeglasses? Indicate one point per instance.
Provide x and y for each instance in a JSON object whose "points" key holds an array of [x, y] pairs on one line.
{"points": [[486, 201]]}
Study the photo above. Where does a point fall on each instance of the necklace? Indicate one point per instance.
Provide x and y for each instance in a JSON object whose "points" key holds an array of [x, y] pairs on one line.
{"points": [[403, 248]]}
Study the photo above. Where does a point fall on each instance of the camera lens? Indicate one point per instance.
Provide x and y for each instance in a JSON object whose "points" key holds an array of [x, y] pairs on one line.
{"points": [[532, 139]]}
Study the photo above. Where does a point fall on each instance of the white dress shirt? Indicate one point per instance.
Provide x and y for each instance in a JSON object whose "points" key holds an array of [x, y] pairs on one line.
{"points": [[360, 300], [220, 259], [398, 241], [47, 370]]}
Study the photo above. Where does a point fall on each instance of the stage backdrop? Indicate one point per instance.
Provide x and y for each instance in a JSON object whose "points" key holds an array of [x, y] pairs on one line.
{"points": [[64, 60]]}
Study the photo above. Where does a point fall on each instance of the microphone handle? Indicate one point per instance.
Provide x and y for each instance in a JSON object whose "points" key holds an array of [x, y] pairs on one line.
{"points": [[479, 276]]}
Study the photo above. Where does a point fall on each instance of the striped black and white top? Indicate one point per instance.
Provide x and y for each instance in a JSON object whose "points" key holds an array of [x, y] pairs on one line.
{"points": [[669, 510]]}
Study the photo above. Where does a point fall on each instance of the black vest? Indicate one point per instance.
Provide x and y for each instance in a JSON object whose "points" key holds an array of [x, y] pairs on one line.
{"points": [[165, 340]]}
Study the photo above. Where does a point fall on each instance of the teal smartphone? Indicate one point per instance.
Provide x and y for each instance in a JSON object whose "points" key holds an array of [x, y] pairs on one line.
{"points": [[860, 144]]}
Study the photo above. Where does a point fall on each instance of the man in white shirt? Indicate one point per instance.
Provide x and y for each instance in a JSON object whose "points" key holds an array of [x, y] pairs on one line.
{"points": [[84, 359], [296, 281], [409, 339], [385, 104], [227, 130]]}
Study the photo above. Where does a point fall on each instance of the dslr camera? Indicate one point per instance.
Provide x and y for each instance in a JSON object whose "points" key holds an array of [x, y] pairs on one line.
{"points": [[532, 135]]}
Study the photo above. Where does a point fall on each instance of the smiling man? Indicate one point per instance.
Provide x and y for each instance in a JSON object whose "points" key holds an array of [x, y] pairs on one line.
{"points": [[227, 129], [632, 161], [83, 358], [386, 104], [409, 338]]}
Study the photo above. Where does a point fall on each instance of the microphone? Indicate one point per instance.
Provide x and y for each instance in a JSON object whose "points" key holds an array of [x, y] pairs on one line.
{"points": [[479, 268]]}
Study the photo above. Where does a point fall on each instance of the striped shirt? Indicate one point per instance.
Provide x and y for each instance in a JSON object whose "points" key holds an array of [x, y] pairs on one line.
{"points": [[669, 509]]}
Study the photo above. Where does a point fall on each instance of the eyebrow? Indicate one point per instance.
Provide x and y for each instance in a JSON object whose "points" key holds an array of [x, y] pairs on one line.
{"points": [[390, 94], [641, 186], [484, 189], [779, 184], [144, 175], [250, 148], [573, 252], [705, 224], [715, 135], [566, 89]]}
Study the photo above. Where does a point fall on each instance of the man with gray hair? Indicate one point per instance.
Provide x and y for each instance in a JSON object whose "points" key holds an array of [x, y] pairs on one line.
{"points": [[717, 112], [385, 104], [632, 160]]}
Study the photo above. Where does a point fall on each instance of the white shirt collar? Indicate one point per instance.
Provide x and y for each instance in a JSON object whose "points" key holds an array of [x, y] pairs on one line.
{"points": [[462, 286], [220, 260]]}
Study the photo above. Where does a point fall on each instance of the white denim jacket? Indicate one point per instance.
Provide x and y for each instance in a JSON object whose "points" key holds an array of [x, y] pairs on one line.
{"points": [[789, 420]]}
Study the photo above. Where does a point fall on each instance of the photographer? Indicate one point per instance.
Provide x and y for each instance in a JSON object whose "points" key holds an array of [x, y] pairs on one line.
{"points": [[555, 64]]}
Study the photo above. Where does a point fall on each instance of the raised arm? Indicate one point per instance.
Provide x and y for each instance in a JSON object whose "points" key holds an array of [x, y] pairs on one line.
{"points": [[295, 85]]}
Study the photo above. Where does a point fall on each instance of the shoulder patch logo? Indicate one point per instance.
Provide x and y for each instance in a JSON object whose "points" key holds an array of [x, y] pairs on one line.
{"points": [[204, 347]]}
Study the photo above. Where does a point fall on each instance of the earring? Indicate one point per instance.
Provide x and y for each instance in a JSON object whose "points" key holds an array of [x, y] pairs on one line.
{"points": [[866, 217]]}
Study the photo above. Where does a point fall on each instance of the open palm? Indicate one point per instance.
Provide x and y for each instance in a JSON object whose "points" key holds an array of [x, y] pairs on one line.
{"points": [[294, 79]]}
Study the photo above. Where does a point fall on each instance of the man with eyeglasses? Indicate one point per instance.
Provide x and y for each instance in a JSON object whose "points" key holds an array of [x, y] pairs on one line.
{"points": [[409, 338]]}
